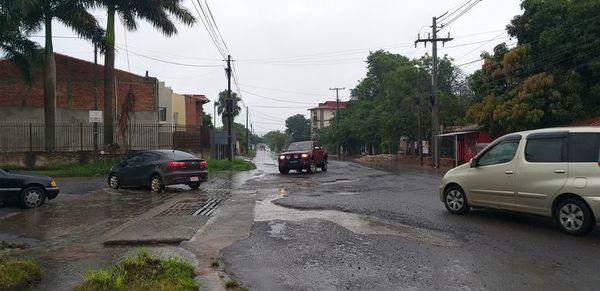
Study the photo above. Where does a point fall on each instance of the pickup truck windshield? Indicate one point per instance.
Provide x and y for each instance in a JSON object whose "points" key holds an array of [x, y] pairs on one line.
{"points": [[300, 146]]}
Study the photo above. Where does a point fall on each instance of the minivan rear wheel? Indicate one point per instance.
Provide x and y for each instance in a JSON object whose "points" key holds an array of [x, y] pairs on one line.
{"points": [[574, 217], [455, 200]]}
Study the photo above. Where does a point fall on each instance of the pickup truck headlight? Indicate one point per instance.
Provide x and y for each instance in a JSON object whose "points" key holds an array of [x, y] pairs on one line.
{"points": [[53, 183], [282, 157], [305, 156]]}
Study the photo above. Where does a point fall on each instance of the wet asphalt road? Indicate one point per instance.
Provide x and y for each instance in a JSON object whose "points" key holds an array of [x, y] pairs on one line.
{"points": [[65, 235], [358, 228]]}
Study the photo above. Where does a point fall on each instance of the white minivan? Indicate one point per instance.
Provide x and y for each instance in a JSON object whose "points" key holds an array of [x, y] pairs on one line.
{"points": [[552, 172]]}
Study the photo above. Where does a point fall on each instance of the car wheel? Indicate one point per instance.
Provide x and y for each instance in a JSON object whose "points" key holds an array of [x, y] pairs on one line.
{"points": [[113, 181], [32, 197], [193, 185], [455, 200], [156, 184], [284, 171], [312, 167], [573, 216], [324, 166]]}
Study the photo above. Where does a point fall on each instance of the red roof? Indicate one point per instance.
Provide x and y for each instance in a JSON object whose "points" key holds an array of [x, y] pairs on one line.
{"points": [[198, 97], [330, 105], [588, 122]]}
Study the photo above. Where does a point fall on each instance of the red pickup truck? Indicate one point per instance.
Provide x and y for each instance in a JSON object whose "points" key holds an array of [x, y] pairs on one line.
{"points": [[303, 155]]}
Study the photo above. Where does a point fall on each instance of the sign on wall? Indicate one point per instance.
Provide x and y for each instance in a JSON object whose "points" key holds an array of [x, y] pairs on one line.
{"points": [[95, 116]]}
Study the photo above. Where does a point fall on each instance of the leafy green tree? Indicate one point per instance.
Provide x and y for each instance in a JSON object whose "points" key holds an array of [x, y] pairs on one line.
{"points": [[298, 127], [13, 40], [221, 103], [38, 15], [550, 78], [276, 140], [159, 13], [207, 121]]}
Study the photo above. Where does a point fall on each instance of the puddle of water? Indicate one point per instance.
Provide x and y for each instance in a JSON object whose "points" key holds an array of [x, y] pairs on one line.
{"points": [[265, 210]]}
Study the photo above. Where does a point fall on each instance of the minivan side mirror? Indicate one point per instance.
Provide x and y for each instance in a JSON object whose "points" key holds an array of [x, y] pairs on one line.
{"points": [[473, 163]]}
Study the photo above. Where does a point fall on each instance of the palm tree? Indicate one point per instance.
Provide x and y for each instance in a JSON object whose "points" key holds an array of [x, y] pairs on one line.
{"points": [[38, 15], [158, 13], [13, 42], [221, 107]]}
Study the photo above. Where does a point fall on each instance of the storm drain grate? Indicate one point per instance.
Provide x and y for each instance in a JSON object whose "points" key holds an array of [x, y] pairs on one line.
{"points": [[210, 206], [183, 208]]}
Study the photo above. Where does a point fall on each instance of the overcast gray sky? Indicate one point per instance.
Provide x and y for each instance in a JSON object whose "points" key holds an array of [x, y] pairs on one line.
{"points": [[295, 50]]}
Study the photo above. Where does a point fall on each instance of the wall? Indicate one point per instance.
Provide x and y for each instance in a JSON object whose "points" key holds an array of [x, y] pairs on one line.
{"points": [[179, 108], [74, 91], [165, 100]]}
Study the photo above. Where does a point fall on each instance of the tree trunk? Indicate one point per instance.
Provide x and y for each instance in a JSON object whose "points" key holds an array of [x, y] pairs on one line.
{"points": [[49, 87], [109, 78]]}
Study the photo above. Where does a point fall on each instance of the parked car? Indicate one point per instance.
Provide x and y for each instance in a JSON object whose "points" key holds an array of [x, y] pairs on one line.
{"points": [[157, 169], [28, 190], [303, 155], [549, 172]]}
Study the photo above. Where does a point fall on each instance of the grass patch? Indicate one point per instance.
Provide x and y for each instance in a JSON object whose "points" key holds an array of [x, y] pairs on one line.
{"points": [[142, 272], [102, 168], [18, 274], [95, 168], [233, 285], [233, 165]]}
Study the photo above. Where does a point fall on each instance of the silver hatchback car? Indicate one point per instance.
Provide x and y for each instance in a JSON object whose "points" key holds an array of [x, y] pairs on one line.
{"points": [[552, 172]]}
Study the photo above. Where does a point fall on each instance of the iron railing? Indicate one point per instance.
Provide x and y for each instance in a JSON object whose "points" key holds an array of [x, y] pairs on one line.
{"points": [[70, 137]]}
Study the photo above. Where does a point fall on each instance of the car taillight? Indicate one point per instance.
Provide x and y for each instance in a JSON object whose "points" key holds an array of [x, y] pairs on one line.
{"points": [[203, 164], [174, 165]]}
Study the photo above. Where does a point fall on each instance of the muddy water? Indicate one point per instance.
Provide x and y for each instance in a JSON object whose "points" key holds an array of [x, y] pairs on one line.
{"points": [[65, 235]]}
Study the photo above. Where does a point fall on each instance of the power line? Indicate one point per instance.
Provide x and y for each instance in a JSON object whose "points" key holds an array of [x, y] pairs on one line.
{"points": [[455, 10], [217, 27], [210, 33], [275, 99], [460, 14], [475, 49]]}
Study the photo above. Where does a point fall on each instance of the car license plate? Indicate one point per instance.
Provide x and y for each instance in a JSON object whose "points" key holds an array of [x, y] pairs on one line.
{"points": [[194, 179]]}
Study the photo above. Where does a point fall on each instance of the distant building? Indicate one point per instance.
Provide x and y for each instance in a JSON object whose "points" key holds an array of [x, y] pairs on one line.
{"points": [[321, 115]]}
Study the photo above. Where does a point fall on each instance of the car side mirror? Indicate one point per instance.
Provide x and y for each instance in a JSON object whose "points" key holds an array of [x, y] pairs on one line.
{"points": [[317, 148], [473, 163]]}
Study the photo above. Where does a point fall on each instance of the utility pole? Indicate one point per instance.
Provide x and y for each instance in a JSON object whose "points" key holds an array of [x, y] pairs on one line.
{"points": [[337, 110], [229, 109], [247, 143], [95, 98], [435, 110]]}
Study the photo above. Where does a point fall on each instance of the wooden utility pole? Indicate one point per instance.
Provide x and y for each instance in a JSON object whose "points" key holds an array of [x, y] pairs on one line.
{"points": [[337, 110], [229, 109], [435, 110]]}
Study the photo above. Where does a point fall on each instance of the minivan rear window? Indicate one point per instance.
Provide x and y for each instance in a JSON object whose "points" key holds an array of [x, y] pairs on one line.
{"points": [[584, 147], [545, 150]]}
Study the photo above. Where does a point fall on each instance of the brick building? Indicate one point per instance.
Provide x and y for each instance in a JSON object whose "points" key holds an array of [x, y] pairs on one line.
{"points": [[194, 111], [74, 93]]}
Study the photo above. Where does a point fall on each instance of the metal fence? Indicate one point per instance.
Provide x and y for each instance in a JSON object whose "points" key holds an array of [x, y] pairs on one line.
{"points": [[30, 137]]}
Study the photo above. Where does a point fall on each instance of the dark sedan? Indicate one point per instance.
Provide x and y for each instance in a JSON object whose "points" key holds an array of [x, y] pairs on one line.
{"points": [[28, 190], [157, 169]]}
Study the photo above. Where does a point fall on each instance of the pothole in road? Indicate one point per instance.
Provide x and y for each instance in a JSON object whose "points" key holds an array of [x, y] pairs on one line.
{"points": [[339, 181], [265, 210]]}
